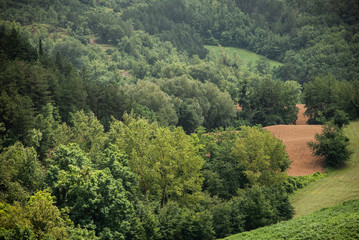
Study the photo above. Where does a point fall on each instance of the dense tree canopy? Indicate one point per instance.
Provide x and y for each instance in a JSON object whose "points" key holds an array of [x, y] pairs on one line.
{"points": [[114, 119]]}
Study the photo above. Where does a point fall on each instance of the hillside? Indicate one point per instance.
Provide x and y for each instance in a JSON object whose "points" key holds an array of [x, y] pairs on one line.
{"points": [[339, 222], [109, 113], [340, 185]]}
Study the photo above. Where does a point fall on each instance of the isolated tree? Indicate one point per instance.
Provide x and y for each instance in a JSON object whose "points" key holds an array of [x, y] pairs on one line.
{"points": [[331, 144]]}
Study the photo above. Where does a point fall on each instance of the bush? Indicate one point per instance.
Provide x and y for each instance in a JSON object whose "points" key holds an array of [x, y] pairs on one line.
{"points": [[294, 183], [332, 145]]}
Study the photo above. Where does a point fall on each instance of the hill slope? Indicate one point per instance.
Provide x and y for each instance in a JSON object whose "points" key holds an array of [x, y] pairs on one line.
{"points": [[339, 186], [339, 222]]}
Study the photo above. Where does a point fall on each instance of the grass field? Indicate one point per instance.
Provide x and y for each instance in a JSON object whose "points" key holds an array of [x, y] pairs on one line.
{"points": [[339, 186], [245, 55], [339, 222], [322, 210]]}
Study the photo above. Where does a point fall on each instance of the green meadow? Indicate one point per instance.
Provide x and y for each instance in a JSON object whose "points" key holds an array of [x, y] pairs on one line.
{"points": [[246, 56], [340, 185]]}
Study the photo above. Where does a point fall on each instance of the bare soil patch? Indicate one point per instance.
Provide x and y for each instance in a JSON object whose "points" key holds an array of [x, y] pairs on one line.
{"points": [[301, 118], [296, 137]]}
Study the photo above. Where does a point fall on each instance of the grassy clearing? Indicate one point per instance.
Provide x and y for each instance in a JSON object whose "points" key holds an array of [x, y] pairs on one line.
{"points": [[339, 222], [339, 186], [105, 47], [245, 55]]}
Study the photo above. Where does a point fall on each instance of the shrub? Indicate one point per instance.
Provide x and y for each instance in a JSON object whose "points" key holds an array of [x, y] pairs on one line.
{"points": [[332, 145], [294, 183]]}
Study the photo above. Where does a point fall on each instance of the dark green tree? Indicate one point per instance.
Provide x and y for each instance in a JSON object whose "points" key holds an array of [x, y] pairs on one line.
{"points": [[97, 199], [331, 144]]}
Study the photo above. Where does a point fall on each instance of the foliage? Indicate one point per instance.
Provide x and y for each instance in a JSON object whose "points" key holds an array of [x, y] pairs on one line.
{"points": [[325, 96], [271, 102], [166, 162], [339, 222], [21, 173], [184, 223], [340, 118], [331, 144], [70, 70], [236, 160], [262, 156], [263, 206], [151, 96], [199, 103], [96, 198], [14, 45], [294, 183], [39, 219]]}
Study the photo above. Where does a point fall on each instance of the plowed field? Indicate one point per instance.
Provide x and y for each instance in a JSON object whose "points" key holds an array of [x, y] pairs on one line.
{"points": [[296, 137]]}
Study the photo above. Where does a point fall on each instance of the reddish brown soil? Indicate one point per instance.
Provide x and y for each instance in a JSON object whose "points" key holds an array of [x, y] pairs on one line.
{"points": [[301, 120], [296, 137]]}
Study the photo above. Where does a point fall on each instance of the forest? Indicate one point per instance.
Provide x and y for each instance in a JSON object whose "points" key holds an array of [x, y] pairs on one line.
{"points": [[116, 124]]}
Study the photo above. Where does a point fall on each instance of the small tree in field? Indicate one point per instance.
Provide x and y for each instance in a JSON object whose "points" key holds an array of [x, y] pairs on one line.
{"points": [[332, 145]]}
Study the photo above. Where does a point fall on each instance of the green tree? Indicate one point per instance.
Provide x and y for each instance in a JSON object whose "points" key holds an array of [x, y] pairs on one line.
{"points": [[38, 219], [262, 206], [271, 102], [223, 175], [150, 95], [262, 156], [340, 118], [321, 98], [97, 199], [87, 132], [17, 114], [45, 217], [48, 123], [166, 162], [331, 144], [21, 173], [177, 222]]}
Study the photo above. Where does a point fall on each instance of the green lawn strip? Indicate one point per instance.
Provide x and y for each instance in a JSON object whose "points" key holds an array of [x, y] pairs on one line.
{"points": [[339, 186], [339, 222], [245, 55]]}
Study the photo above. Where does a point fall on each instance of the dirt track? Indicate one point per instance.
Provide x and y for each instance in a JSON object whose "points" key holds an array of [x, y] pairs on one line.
{"points": [[295, 137]]}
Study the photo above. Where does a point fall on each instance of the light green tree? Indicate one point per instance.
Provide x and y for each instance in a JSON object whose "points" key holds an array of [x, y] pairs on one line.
{"points": [[166, 162], [262, 155], [21, 173]]}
